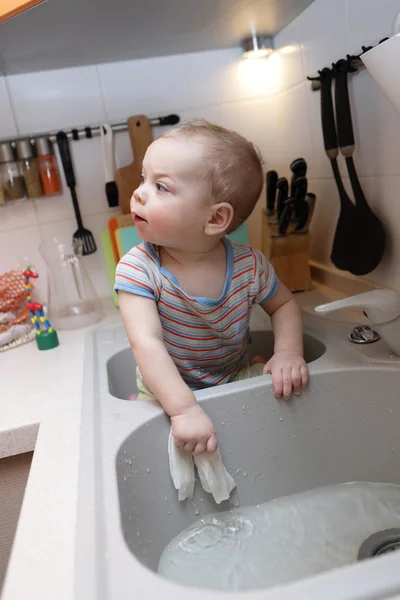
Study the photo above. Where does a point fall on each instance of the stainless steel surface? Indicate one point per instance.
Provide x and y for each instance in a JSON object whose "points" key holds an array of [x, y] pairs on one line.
{"points": [[24, 149], [45, 137], [362, 334], [66, 33], [43, 146], [379, 543], [6, 153], [257, 45]]}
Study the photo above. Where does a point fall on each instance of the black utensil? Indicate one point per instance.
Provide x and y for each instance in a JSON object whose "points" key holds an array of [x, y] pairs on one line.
{"points": [[271, 179], [303, 211], [342, 254], [291, 205], [310, 199], [300, 192], [88, 242], [371, 234], [299, 169], [282, 187]]}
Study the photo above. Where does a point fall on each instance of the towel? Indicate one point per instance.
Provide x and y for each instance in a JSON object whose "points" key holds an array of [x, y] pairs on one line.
{"points": [[213, 475]]}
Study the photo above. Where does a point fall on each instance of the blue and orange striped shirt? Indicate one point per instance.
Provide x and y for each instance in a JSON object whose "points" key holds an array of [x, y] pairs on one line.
{"points": [[207, 339]]}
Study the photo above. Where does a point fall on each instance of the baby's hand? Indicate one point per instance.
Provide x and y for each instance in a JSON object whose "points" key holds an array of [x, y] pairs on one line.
{"points": [[194, 431], [288, 370]]}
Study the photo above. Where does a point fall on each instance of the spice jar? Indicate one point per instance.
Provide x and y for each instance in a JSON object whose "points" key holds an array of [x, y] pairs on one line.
{"points": [[11, 180], [48, 167], [29, 167]]}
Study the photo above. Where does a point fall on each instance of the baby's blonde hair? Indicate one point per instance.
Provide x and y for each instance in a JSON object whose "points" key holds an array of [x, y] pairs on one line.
{"points": [[235, 167]]}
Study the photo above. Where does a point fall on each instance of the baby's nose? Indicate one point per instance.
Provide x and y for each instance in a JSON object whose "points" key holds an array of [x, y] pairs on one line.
{"points": [[138, 196]]}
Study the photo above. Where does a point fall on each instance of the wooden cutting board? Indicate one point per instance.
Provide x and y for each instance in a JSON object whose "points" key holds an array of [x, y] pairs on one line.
{"points": [[128, 178]]}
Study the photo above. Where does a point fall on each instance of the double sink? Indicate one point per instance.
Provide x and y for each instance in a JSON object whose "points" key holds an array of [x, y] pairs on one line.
{"points": [[344, 427]]}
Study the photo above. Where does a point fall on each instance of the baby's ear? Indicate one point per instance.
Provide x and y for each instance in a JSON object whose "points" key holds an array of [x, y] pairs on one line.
{"points": [[219, 220]]}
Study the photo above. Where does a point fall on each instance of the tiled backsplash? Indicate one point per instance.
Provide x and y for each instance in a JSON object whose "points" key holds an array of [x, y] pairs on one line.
{"points": [[269, 101]]}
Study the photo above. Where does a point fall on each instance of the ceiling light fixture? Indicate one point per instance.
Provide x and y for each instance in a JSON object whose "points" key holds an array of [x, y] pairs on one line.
{"points": [[257, 46]]}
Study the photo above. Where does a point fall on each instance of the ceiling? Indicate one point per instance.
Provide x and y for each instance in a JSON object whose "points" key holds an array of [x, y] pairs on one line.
{"points": [[66, 33]]}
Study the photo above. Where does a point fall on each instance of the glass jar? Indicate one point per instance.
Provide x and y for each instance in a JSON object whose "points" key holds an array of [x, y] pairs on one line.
{"points": [[48, 167], [11, 180], [29, 167]]}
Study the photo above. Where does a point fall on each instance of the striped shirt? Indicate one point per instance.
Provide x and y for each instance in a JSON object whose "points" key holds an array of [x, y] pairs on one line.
{"points": [[207, 339]]}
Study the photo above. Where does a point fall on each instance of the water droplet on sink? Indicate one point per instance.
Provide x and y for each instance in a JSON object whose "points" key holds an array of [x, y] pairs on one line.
{"points": [[244, 474], [243, 407], [281, 419], [148, 470]]}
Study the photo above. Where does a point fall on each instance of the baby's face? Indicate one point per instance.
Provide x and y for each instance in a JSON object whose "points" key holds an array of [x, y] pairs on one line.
{"points": [[171, 206]]}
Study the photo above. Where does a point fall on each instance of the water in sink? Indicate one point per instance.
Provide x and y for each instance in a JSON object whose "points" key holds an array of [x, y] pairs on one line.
{"points": [[282, 540]]}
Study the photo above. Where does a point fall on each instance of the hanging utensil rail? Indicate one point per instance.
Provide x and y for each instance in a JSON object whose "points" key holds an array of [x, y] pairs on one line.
{"points": [[78, 133], [355, 64]]}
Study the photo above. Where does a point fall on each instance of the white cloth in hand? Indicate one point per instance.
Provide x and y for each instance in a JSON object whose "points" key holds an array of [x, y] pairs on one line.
{"points": [[213, 475]]}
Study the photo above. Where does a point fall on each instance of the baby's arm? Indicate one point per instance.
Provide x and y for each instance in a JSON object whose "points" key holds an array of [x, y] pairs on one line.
{"points": [[191, 427], [287, 366]]}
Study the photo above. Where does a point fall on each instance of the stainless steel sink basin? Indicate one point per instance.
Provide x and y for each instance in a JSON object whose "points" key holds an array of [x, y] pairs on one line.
{"points": [[344, 427]]}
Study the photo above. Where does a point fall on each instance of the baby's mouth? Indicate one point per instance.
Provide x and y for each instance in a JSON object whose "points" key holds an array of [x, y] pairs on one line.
{"points": [[137, 220]]}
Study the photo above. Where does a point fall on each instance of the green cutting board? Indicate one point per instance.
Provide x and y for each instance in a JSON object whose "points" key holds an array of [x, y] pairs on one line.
{"points": [[110, 261], [127, 238]]}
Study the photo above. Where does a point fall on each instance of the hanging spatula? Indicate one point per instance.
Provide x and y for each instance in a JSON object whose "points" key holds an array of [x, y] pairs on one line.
{"points": [[88, 242], [369, 237]]}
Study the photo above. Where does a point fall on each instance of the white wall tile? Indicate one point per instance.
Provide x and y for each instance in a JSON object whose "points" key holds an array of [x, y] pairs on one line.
{"points": [[22, 250], [94, 263], [288, 48], [18, 215], [8, 127], [52, 100], [292, 131], [377, 128], [323, 31], [370, 21], [153, 86], [224, 76]]}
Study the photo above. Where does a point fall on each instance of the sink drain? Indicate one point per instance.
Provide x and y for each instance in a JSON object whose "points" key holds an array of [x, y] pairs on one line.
{"points": [[381, 542]]}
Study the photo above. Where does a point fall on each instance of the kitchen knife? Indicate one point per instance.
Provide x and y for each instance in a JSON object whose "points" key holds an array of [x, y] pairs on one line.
{"points": [[282, 187], [310, 201], [299, 169], [271, 179], [286, 215], [300, 192]]}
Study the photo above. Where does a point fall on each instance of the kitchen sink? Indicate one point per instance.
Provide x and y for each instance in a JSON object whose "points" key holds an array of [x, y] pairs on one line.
{"points": [[121, 367], [344, 427]]}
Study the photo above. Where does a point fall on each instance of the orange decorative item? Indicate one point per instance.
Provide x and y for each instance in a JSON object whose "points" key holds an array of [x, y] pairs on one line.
{"points": [[15, 328]]}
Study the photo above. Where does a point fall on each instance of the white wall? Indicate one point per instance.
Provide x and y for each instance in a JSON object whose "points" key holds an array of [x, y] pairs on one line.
{"points": [[267, 100], [326, 31], [217, 85]]}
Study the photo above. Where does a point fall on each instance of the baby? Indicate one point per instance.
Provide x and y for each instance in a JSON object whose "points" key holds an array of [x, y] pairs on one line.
{"points": [[186, 292]]}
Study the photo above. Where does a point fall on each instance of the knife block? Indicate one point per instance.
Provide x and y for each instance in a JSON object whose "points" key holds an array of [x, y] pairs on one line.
{"points": [[288, 254]]}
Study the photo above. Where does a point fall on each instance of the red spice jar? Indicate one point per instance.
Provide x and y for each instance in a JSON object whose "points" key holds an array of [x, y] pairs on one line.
{"points": [[48, 167]]}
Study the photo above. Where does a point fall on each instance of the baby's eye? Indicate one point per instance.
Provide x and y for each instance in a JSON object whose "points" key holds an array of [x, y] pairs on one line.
{"points": [[141, 179], [161, 188]]}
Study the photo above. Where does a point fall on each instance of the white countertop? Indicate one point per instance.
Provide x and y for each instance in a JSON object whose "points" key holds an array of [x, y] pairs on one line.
{"points": [[40, 410]]}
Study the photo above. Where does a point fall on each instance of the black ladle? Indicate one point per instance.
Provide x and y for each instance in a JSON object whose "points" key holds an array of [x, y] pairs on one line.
{"points": [[368, 235]]}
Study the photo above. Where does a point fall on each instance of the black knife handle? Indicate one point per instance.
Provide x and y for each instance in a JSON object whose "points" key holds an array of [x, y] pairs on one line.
{"points": [[283, 191], [327, 114], [286, 216], [344, 123], [271, 180], [66, 159]]}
